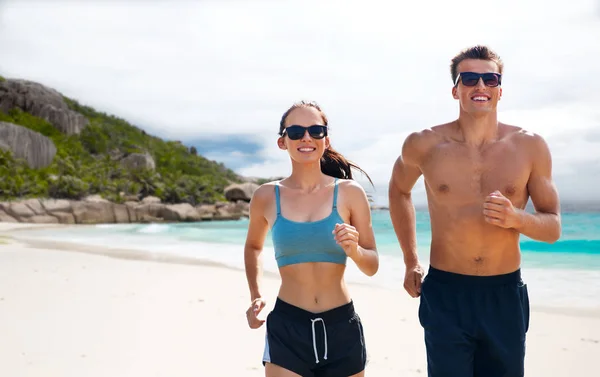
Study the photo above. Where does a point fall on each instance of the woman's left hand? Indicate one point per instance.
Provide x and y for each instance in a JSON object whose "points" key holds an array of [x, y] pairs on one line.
{"points": [[347, 237]]}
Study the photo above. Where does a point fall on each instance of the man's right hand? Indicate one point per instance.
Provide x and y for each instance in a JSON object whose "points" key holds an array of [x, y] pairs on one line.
{"points": [[252, 313], [413, 278]]}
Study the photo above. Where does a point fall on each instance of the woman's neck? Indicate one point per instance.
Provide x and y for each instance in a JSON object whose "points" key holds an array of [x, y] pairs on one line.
{"points": [[308, 177]]}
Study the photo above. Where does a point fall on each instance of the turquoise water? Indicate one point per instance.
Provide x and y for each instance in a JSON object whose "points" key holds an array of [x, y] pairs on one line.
{"points": [[566, 273], [579, 246]]}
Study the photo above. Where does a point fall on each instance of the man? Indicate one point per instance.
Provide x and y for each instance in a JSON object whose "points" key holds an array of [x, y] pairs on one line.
{"points": [[479, 174]]}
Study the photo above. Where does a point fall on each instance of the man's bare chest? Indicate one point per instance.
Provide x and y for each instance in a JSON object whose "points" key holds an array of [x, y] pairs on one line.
{"points": [[465, 174]]}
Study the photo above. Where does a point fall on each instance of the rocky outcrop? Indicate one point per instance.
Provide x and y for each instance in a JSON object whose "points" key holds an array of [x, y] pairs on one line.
{"points": [[150, 199], [139, 161], [43, 102], [240, 191], [31, 146], [4, 146], [96, 210]]}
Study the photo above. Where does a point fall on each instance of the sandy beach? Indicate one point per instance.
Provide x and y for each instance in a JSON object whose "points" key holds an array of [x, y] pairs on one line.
{"points": [[79, 311]]}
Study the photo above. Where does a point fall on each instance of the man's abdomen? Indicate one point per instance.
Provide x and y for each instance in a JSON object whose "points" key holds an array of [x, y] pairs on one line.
{"points": [[462, 242]]}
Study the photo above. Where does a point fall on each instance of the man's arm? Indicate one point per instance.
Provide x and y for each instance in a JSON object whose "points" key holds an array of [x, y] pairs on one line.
{"points": [[545, 224], [405, 174]]}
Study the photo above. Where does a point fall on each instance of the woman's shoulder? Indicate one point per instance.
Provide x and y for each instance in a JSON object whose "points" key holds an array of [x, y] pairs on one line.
{"points": [[265, 191], [349, 184], [351, 188]]}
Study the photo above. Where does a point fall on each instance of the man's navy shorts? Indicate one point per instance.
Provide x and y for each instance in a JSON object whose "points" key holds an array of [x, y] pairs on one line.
{"points": [[474, 325]]}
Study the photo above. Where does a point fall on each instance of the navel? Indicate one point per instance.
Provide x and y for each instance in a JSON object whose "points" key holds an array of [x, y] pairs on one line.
{"points": [[444, 188]]}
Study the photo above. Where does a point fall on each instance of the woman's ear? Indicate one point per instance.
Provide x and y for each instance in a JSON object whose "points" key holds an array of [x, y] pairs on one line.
{"points": [[281, 143], [327, 142]]}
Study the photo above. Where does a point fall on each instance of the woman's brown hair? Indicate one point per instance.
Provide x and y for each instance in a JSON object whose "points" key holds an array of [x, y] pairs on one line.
{"points": [[332, 162]]}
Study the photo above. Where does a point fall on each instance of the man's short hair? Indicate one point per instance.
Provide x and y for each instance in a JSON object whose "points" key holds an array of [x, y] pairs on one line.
{"points": [[476, 52]]}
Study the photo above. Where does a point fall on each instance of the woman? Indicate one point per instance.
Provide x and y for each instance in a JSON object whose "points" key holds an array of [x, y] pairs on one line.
{"points": [[318, 218]]}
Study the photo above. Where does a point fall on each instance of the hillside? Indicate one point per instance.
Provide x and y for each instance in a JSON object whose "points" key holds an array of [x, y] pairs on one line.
{"points": [[101, 154]]}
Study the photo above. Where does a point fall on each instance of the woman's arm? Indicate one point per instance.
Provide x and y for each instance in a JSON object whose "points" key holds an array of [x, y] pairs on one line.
{"points": [[358, 239], [258, 228]]}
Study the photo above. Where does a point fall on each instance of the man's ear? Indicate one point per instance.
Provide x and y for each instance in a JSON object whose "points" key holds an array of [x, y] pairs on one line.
{"points": [[281, 144], [454, 92], [500, 95]]}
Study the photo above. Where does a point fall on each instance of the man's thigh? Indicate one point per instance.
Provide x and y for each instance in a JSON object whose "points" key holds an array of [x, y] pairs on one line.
{"points": [[446, 320], [504, 325]]}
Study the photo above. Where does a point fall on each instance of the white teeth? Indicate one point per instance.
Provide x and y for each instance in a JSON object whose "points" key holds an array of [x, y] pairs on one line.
{"points": [[480, 98], [306, 149]]}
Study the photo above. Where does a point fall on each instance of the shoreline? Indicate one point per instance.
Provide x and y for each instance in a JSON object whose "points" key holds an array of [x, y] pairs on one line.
{"points": [[177, 259]]}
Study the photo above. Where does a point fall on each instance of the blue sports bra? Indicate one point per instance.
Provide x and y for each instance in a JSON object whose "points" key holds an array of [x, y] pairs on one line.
{"points": [[300, 242]]}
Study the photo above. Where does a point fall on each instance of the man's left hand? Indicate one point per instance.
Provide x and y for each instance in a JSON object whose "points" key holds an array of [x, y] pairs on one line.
{"points": [[499, 210]]}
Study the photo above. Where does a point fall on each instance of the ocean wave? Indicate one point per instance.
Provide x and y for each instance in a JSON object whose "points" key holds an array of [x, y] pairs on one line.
{"points": [[566, 246], [153, 228]]}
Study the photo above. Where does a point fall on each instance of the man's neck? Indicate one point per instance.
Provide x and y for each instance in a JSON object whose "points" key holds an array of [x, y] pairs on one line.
{"points": [[478, 130]]}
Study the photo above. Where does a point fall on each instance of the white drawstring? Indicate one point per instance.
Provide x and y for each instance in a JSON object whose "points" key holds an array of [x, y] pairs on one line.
{"points": [[315, 341]]}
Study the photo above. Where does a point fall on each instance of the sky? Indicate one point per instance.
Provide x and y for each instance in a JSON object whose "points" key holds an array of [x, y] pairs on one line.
{"points": [[219, 74]]}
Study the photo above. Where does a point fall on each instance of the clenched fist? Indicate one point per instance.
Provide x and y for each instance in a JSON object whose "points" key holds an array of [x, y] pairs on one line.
{"points": [[499, 210], [347, 237]]}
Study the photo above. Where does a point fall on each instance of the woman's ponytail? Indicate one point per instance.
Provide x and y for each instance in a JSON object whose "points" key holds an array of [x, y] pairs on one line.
{"points": [[336, 165]]}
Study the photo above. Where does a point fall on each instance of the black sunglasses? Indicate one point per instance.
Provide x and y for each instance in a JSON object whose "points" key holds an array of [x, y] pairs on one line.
{"points": [[472, 78], [297, 132]]}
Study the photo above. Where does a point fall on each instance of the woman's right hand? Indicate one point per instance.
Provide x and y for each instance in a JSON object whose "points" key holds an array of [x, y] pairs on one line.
{"points": [[252, 313]]}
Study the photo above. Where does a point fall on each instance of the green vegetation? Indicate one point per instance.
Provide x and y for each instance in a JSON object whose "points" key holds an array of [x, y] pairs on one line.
{"points": [[2, 79], [88, 164], [261, 181]]}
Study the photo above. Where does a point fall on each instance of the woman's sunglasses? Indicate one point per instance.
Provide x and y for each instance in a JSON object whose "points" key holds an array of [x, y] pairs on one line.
{"points": [[472, 78], [297, 132]]}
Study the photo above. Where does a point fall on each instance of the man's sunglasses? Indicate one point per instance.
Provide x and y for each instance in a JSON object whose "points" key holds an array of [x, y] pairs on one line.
{"points": [[297, 132], [472, 78]]}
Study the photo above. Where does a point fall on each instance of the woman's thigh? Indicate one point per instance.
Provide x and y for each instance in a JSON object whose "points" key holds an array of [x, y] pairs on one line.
{"points": [[273, 370]]}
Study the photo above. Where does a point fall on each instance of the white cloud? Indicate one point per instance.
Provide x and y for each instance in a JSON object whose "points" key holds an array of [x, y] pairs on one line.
{"points": [[189, 70]]}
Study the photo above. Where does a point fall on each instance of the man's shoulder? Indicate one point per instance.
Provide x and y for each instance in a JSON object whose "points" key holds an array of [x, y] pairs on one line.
{"points": [[419, 143], [428, 136], [532, 144], [425, 139], [522, 136], [443, 130]]}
